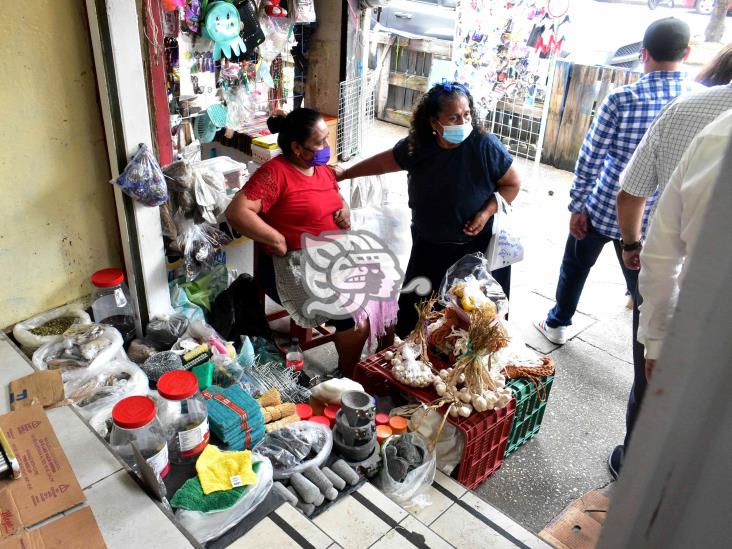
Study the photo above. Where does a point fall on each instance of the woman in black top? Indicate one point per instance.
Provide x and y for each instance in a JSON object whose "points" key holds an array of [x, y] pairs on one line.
{"points": [[454, 169]]}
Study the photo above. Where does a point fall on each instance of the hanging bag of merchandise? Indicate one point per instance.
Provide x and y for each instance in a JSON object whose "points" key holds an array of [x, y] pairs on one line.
{"points": [[505, 247], [143, 180]]}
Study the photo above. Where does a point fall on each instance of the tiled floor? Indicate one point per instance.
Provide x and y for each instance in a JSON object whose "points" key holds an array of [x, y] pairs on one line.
{"points": [[368, 519]]}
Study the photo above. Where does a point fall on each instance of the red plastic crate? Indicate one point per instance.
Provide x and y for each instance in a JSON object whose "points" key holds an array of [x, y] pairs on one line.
{"points": [[486, 434]]}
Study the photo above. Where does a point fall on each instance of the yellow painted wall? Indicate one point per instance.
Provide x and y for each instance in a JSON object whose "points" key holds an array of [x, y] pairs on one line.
{"points": [[57, 216]]}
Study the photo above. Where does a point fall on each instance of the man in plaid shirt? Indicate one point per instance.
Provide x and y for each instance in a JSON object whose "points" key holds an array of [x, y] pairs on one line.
{"points": [[618, 127]]}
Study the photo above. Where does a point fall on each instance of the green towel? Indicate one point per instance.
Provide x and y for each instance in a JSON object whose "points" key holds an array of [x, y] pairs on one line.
{"points": [[190, 496]]}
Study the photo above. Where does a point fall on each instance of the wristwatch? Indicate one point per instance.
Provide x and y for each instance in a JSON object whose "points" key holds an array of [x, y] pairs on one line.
{"points": [[632, 246]]}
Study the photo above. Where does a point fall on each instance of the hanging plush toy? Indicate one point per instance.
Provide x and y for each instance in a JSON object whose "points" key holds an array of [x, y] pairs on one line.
{"points": [[222, 25]]}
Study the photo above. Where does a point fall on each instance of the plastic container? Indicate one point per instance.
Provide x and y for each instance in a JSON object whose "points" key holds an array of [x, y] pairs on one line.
{"points": [[294, 358], [382, 419], [134, 420], [320, 419], [111, 302], [398, 425], [330, 412], [531, 402], [231, 169], [184, 416], [382, 433], [486, 434], [304, 411]]}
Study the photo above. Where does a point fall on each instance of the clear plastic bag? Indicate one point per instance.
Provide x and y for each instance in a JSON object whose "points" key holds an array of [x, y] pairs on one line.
{"points": [[207, 526], [297, 447], [165, 330], [412, 492], [182, 304], [200, 244], [143, 180], [93, 393], [89, 350], [468, 283], [303, 11], [30, 341]]}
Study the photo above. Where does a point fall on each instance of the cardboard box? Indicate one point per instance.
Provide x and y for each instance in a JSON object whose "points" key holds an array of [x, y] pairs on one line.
{"points": [[262, 154], [77, 530], [332, 123], [48, 485], [45, 388]]}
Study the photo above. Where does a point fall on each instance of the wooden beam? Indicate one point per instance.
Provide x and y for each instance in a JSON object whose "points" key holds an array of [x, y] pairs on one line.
{"points": [[409, 81], [401, 118], [440, 48]]}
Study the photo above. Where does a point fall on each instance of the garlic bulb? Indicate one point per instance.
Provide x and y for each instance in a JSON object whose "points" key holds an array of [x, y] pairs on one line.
{"points": [[389, 355], [465, 410], [465, 396], [480, 404], [461, 378], [443, 374], [453, 411]]}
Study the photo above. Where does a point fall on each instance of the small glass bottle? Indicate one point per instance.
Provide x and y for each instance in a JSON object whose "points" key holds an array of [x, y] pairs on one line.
{"points": [[294, 357], [135, 421], [111, 302], [185, 417]]}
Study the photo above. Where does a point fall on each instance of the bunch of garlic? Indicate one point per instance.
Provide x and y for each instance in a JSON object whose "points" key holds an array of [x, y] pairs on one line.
{"points": [[407, 369], [466, 401]]}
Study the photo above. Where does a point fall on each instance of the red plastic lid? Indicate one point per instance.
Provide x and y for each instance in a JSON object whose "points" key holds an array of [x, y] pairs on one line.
{"points": [[178, 385], [320, 419], [382, 419], [304, 411], [134, 412], [108, 278]]}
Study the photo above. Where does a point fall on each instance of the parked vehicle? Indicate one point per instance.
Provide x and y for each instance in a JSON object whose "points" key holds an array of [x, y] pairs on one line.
{"points": [[703, 6], [428, 18], [653, 4]]}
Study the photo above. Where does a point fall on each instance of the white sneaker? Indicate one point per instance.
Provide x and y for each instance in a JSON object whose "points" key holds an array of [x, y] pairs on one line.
{"points": [[557, 335]]}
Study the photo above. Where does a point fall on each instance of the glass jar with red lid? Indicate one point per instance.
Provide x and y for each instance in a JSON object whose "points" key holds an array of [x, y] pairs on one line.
{"points": [[111, 303], [135, 422], [184, 416]]}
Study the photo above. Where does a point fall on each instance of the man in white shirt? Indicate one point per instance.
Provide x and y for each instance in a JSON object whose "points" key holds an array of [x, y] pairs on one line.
{"points": [[647, 173], [674, 231]]}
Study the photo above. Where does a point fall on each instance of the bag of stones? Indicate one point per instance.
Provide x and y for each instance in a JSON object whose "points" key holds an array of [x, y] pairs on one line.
{"points": [[408, 470]]}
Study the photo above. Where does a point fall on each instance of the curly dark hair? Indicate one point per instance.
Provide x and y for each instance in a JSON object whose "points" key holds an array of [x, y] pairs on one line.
{"points": [[430, 106]]}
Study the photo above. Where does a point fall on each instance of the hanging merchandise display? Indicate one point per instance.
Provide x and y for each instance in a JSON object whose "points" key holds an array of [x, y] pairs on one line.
{"points": [[142, 179], [222, 26]]}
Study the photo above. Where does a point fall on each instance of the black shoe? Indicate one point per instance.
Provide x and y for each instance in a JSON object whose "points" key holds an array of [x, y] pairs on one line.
{"points": [[615, 461]]}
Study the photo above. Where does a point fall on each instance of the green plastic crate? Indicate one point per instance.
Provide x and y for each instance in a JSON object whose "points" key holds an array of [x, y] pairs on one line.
{"points": [[529, 410]]}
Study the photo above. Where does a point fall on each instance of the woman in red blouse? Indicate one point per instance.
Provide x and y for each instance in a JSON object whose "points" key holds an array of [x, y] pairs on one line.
{"points": [[292, 195]]}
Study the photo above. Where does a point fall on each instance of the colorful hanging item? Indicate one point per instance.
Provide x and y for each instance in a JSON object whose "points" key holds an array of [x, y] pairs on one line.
{"points": [[221, 25]]}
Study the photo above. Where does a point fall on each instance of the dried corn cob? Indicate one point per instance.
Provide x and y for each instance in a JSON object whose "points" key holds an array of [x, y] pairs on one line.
{"points": [[281, 423], [274, 413]]}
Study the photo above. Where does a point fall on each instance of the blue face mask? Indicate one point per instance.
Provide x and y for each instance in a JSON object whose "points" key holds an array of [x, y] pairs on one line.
{"points": [[456, 134]]}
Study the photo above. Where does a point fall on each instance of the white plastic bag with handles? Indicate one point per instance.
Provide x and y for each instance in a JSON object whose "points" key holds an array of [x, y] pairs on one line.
{"points": [[505, 247]]}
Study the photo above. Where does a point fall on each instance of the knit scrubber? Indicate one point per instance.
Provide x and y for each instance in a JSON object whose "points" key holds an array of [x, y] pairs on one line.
{"points": [[190, 496]]}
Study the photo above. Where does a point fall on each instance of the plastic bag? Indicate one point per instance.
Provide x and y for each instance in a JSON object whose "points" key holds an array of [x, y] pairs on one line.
{"points": [[471, 277], [505, 247], [164, 331], [143, 180], [206, 287], [200, 244], [95, 392], [209, 189], [182, 304], [207, 526], [412, 492], [450, 445], [297, 447], [303, 11], [30, 341], [88, 351]]}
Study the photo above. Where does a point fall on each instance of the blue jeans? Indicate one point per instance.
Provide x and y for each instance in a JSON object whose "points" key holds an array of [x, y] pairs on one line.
{"points": [[579, 257]]}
